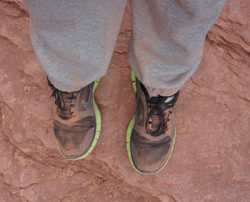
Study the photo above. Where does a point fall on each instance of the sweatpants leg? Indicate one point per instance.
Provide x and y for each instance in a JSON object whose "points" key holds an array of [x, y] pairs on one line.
{"points": [[167, 40], [74, 39]]}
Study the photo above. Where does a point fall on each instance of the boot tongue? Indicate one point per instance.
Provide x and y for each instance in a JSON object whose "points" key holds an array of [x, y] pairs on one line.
{"points": [[155, 120], [154, 123], [64, 112], [67, 99]]}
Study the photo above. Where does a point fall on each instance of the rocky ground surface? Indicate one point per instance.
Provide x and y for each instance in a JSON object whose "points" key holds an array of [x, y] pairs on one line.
{"points": [[211, 159]]}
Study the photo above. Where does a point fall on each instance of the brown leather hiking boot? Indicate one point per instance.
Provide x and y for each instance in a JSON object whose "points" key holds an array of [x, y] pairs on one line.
{"points": [[151, 133], [77, 121]]}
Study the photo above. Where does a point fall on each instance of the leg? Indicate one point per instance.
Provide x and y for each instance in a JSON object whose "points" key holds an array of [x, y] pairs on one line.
{"points": [[167, 40], [165, 49], [74, 40]]}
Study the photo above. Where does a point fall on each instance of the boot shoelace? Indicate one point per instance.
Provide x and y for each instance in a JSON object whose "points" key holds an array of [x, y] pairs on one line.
{"points": [[155, 109], [63, 101]]}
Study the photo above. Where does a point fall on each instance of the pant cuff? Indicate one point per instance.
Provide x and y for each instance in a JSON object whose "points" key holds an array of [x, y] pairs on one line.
{"points": [[164, 92], [63, 87]]}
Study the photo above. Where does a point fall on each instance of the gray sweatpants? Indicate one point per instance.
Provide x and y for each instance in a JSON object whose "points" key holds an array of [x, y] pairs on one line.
{"points": [[74, 39]]}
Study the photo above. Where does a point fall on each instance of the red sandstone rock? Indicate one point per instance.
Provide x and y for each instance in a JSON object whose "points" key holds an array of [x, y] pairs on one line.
{"points": [[211, 157]]}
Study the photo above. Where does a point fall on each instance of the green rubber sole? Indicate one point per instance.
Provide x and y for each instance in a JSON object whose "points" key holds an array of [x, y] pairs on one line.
{"points": [[98, 126], [129, 132]]}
